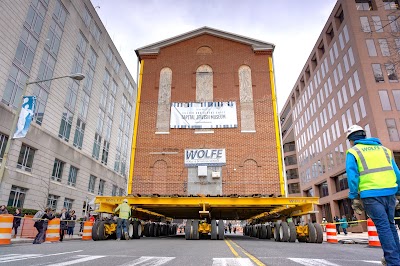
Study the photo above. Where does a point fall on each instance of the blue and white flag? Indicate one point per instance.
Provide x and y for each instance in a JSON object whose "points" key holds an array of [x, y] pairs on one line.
{"points": [[25, 116]]}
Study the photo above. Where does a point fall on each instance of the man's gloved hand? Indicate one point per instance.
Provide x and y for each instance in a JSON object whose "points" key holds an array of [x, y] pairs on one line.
{"points": [[357, 206]]}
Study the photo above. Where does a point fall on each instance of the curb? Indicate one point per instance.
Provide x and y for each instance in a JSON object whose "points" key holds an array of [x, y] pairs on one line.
{"points": [[31, 240]]}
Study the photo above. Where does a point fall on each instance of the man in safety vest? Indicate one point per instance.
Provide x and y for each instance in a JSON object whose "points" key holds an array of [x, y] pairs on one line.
{"points": [[374, 177], [124, 214]]}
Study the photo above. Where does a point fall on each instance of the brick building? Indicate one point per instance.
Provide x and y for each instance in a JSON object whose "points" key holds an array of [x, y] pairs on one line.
{"points": [[230, 75], [350, 77]]}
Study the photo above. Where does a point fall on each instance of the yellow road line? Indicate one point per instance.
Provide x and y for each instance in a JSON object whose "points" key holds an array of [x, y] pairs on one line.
{"points": [[232, 249], [254, 259]]}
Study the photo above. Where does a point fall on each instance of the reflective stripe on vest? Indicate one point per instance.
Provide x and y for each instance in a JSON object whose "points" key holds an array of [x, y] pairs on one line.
{"points": [[374, 166]]}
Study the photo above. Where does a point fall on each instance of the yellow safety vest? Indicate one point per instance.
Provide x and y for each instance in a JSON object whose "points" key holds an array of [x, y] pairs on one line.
{"points": [[124, 211], [375, 167]]}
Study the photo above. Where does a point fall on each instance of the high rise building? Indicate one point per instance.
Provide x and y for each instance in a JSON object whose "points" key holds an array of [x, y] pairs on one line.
{"points": [[349, 78], [78, 145]]}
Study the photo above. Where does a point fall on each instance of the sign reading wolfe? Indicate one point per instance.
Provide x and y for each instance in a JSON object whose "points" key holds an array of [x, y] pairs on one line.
{"points": [[203, 115], [209, 157]]}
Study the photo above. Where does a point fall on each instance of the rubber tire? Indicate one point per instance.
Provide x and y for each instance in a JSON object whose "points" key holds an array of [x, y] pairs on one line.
{"points": [[312, 233], [95, 235], [258, 228], [269, 231], [214, 230], [188, 228], [130, 230], [100, 231], [292, 232], [277, 227], [174, 230], [320, 233], [284, 232], [221, 230], [254, 231], [146, 230], [263, 232], [136, 234], [195, 230], [152, 229]]}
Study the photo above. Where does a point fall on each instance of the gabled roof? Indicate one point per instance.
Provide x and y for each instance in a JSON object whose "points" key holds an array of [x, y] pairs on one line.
{"points": [[155, 47]]}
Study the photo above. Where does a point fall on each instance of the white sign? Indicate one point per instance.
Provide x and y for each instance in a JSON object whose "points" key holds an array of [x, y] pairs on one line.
{"points": [[209, 157], [203, 115], [25, 116]]}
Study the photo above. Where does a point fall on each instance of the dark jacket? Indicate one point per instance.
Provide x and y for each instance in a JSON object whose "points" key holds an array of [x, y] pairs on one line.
{"points": [[39, 224], [17, 221], [5, 211], [72, 219], [63, 222]]}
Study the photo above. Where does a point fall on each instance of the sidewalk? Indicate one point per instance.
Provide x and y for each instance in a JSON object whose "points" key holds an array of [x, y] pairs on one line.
{"points": [[30, 240], [353, 238]]}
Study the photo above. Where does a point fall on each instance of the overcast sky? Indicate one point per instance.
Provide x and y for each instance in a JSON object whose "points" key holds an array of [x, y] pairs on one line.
{"points": [[292, 25]]}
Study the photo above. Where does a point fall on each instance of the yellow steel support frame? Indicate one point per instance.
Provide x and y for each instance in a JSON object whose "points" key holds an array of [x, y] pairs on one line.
{"points": [[135, 129], [277, 128]]}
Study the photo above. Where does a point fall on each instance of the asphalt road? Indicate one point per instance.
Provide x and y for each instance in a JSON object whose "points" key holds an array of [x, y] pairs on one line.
{"points": [[234, 251]]}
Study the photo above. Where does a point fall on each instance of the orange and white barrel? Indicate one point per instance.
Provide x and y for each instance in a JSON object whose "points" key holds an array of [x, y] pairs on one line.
{"points": [[331, 234], [53, 230], [6, 223], [373, 239], [87, 230]]}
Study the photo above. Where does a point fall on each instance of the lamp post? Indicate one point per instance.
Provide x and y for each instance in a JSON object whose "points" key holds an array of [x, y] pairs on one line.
{"points": [[76, 76]]}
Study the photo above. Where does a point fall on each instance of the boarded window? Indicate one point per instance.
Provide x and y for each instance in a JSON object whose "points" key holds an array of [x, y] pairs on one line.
{"points": [[164, 101], [246, 100]]}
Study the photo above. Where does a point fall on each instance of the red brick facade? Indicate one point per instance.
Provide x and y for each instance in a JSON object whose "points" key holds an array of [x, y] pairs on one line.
{"points": [[251, 158]]}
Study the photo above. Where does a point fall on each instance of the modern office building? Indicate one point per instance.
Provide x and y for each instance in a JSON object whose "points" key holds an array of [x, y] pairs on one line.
{"points": [[349, 78], [78, 144]]}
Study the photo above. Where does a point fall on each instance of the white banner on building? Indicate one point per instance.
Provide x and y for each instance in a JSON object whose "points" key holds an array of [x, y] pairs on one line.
{"points": [[25, 116], [203, 115], [209, 157]]}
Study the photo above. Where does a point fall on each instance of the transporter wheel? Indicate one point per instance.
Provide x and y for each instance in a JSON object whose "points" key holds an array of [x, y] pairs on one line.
{"points": [[269, 231], [174, 229], [312, 233], [195, 230], [320, 233], [146, 230], [130, 230], [254, 231], [245, 229], [137, 230], [188, 229], [214, 230], [284, 232], [263, 233], [101, 231], [258, 227], [292, 232], [95, 235], [277, 227], [157, 230], [151, 229], [221, 230]]}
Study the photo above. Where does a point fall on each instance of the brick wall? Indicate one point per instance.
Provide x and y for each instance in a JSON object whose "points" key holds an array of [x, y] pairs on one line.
{"points": [[251, 158]]}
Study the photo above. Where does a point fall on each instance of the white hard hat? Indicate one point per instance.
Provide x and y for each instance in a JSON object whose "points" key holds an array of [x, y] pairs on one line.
{"points": [[125, 200], [352, 129]]}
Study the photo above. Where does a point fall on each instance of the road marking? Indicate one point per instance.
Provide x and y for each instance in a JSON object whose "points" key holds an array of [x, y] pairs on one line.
{"points": [[313, 262], [17, 256], [149, 261], [232, 249], [254, 259], [232, 262], [33, 256], [77, 261], [372, 261]]}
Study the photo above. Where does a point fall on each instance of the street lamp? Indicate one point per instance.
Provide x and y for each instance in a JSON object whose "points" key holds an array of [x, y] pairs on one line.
{"points": [[75, 76]]}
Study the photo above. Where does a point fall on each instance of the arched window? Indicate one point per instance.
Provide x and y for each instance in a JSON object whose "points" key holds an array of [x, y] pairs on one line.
{"points": [[204, 89], [164, 101], [246, 100]]}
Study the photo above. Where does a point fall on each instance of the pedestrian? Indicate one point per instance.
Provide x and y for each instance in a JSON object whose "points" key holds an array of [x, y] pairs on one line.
{"points": [[374, 181], [323, 223], [64, 217], [337, 223], [3, 209], [71, 223], [122, 222], [230, 228], [16, 221], [41, 225], [344, 224]]}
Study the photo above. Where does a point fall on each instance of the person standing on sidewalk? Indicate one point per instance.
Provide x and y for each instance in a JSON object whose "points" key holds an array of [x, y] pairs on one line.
{"points": [[71, 223], [41, 226], [64, 217], [374, 181], [16, 221], [3, 209], [344, 224], [124, 214]]}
